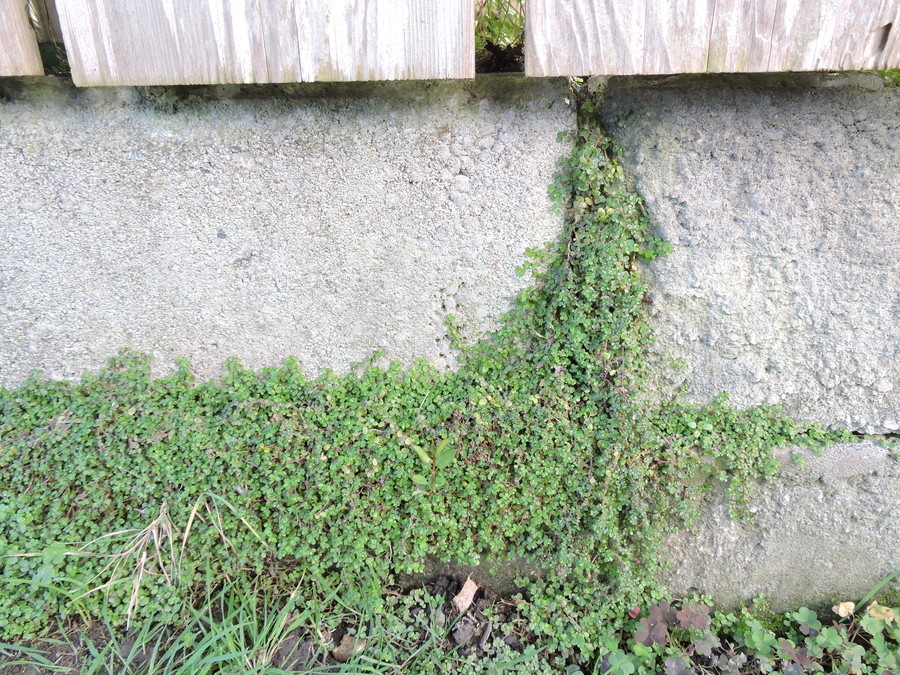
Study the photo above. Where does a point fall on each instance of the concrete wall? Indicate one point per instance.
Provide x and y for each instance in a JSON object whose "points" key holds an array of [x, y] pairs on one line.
{"points": [[326, 221], [824, 531], [779, 195], [312, 220]]}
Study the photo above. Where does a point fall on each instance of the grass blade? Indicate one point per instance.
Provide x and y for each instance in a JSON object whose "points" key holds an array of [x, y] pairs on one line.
{"points": [[881, 584]]}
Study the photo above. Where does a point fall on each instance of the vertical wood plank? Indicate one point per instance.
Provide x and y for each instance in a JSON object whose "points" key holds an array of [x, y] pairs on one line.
{"points": [[143, 42], [440, 39], [853, 35], [19, 53], [549, 40], [584, 37], [626, 19], [890, 55], [795, 35], [741, 36], [610, 37], [676, 36], [280, 42]]}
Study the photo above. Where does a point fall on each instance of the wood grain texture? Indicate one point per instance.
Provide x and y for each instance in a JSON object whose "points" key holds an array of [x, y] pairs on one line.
{"points": [[147, 42], [741, 36], [856, 35], [890, 54], [19, 53], [676, 36], [795, 35], [609, 37], [581, 37]]}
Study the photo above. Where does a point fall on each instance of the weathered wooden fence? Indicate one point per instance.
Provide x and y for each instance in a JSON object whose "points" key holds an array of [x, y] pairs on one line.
{"points": [[117, 42], [147, 42], [19, 53], [630, 37]]}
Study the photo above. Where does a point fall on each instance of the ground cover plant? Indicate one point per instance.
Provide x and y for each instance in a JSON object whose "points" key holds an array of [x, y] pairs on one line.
{"points": [[323, 625], [499, 36], [130, 500]]}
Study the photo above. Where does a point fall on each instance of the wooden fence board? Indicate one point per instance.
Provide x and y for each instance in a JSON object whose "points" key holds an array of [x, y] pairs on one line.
{"points": [[855, 34], [19, 53], [890, 55], [741, 36], [795, 35], [676, 36], [622, 37], [146, 42], [627, 19], [561, 37], [550, 40], [611, 37], [281, 43]]}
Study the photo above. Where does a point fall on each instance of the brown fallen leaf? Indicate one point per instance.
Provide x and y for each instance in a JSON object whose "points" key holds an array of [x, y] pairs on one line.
{"points": [[350, 646], [463, 600]]}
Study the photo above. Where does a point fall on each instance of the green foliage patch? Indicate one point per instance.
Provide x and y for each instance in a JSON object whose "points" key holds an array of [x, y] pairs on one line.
{"points": [[683, 638], [500, 23], [891, 77], [122, 493]]}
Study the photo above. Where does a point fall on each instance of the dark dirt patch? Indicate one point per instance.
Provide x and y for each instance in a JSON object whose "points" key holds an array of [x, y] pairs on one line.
{"points": [[497, 59]]}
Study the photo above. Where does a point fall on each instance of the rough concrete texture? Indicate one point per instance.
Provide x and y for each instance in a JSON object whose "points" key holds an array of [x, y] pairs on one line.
{"points": [[261, 222], [825, 531], [779, 194]]}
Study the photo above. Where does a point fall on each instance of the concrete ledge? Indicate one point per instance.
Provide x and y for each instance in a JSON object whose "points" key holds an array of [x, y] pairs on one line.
{"points": [[320, 221], [825, 531], [779, 196]]}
